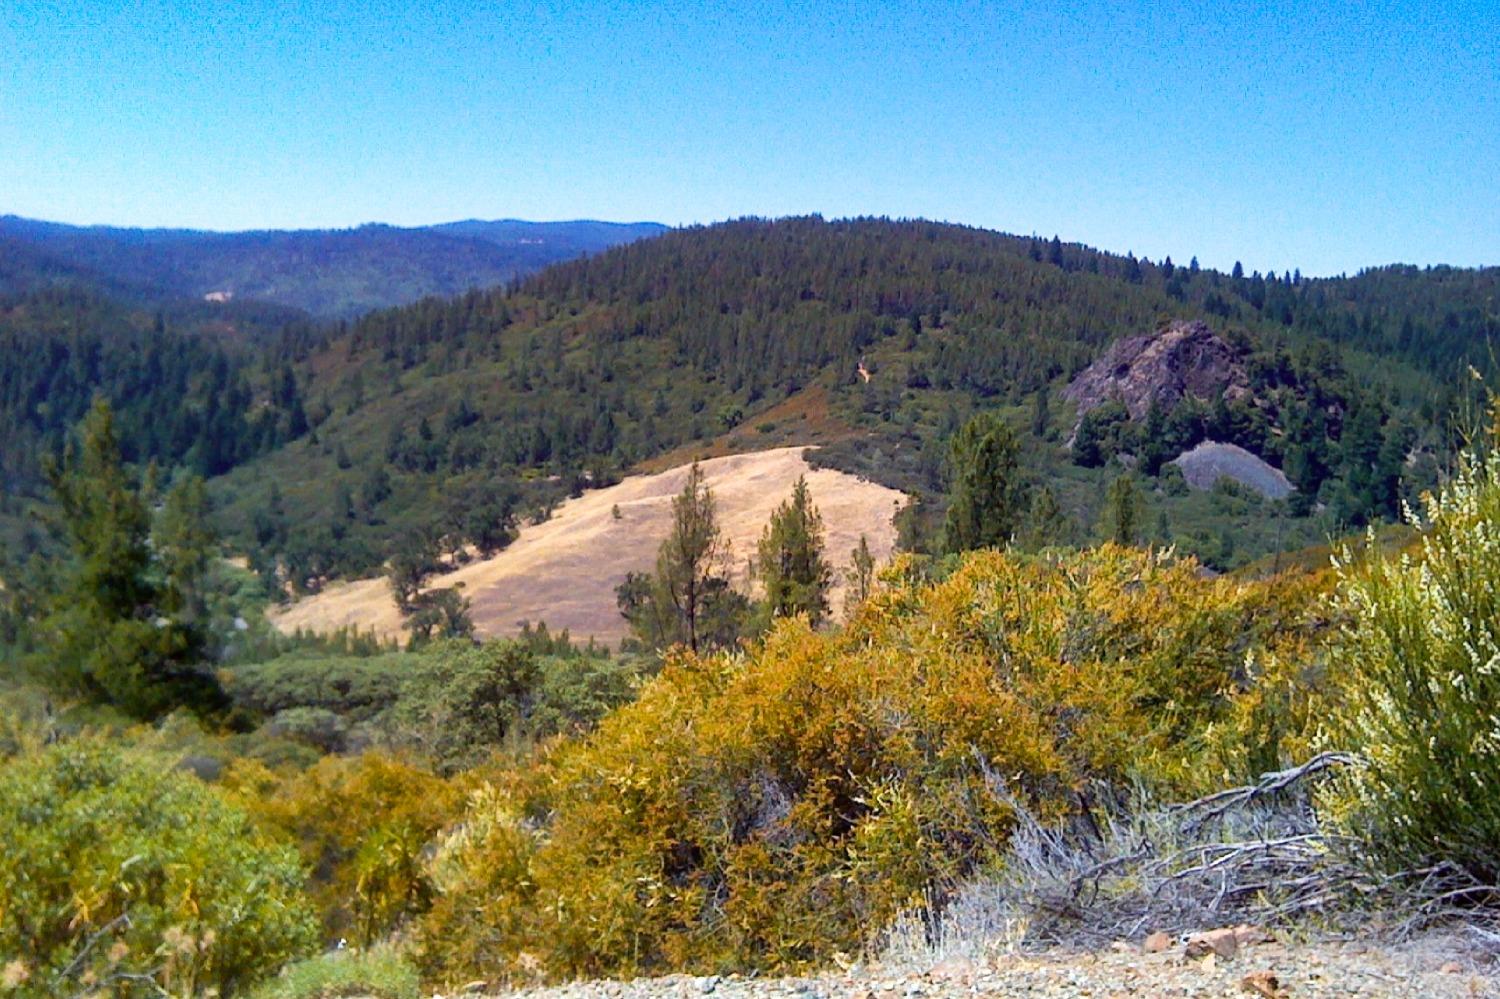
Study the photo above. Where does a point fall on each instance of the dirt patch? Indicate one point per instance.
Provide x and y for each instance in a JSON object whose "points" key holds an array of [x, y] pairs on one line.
{"points": [[565, 571], [1438, 967]]}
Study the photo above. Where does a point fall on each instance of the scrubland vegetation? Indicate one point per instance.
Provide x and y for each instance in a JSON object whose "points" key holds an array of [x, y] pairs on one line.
{"points": [[1049, 709], [524, 810]]}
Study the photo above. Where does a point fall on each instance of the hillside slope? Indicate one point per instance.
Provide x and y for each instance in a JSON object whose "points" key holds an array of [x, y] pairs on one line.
{"points": [[714, 338], [873, 338], [564, 571]]}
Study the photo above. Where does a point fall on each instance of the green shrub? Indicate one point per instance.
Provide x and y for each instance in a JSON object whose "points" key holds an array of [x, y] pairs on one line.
{"points": [[314, 726], [378, 973], [123, 875], [355, 687], [1421, 656], [460, 702]]}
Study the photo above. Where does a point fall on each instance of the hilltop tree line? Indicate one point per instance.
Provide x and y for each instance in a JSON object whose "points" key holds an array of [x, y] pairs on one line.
{"points": [[564, 380]]}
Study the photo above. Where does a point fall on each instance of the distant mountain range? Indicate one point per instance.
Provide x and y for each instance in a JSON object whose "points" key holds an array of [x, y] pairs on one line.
{"points": [[329, 273]]}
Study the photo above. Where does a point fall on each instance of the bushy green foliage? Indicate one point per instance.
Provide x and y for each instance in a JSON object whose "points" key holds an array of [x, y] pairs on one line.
{"points": [[452, 702], [1421, 657], [767, 810], [358, 688], [124, 876], [377, 973], [460, 702]]}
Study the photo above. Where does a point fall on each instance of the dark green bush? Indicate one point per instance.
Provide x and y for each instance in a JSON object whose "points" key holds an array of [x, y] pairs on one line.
{"points": [[355, 687], [460, 701]]}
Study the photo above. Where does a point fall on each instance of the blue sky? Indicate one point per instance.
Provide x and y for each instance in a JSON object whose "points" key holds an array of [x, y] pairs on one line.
{"points": [[1320, 136]]}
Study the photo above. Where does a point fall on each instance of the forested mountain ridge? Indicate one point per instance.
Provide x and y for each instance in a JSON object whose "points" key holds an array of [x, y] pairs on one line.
{"points": [[328, 273], [194, 386], [876, 338]]}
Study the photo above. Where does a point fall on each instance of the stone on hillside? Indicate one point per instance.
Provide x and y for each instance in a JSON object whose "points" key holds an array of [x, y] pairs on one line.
{"points": [[1211, 461], [1182, 359]]}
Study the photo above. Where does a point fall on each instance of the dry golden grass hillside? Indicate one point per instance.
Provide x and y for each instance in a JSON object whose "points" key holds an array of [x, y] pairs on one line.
{"points": [[565, 571]]}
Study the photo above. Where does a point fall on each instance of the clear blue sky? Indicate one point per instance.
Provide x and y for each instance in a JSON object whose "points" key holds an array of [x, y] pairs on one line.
{"points": [[1325, 136]]}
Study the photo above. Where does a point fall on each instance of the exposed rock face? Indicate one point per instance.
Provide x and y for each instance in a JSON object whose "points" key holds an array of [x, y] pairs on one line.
{"points": [[1185, 358], [1211, 461]]}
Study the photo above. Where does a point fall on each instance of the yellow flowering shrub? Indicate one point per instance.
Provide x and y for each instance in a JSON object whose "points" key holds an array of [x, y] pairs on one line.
{"points": [[362, 824], [767, 809]]}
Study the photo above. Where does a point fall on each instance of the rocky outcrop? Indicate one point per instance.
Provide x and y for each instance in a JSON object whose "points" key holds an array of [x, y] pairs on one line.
{"points": [[1184, 358], [1211, 461]]}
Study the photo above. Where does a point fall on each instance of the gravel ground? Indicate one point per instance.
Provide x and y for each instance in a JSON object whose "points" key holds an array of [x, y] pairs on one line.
{"points": [[1439, 967]]}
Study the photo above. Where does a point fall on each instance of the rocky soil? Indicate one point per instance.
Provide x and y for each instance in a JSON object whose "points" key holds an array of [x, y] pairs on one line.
{"points": [[1441, 966]]}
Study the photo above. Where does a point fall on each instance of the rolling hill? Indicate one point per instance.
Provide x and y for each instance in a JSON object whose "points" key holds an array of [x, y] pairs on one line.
{"points": [[436, 421], [874, 339], [328, 273], [564, 571]]}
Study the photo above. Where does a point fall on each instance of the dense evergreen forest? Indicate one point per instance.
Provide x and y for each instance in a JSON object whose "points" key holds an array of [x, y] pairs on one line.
{"points": [[875, 339], [444, 422], [193, 388]]}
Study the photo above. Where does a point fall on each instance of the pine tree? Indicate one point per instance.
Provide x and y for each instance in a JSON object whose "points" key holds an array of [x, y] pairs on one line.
{"points": [[860, 576], [1047, 524], [989, 496], [790, 562], [184, 543], [116, 627], [689, 600], [1041, 414], [1123, 511]]}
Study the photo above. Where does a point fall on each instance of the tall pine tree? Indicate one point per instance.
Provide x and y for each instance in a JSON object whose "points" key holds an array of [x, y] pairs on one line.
{"points": [[989, 495], [120, 625], [790, 562]]}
